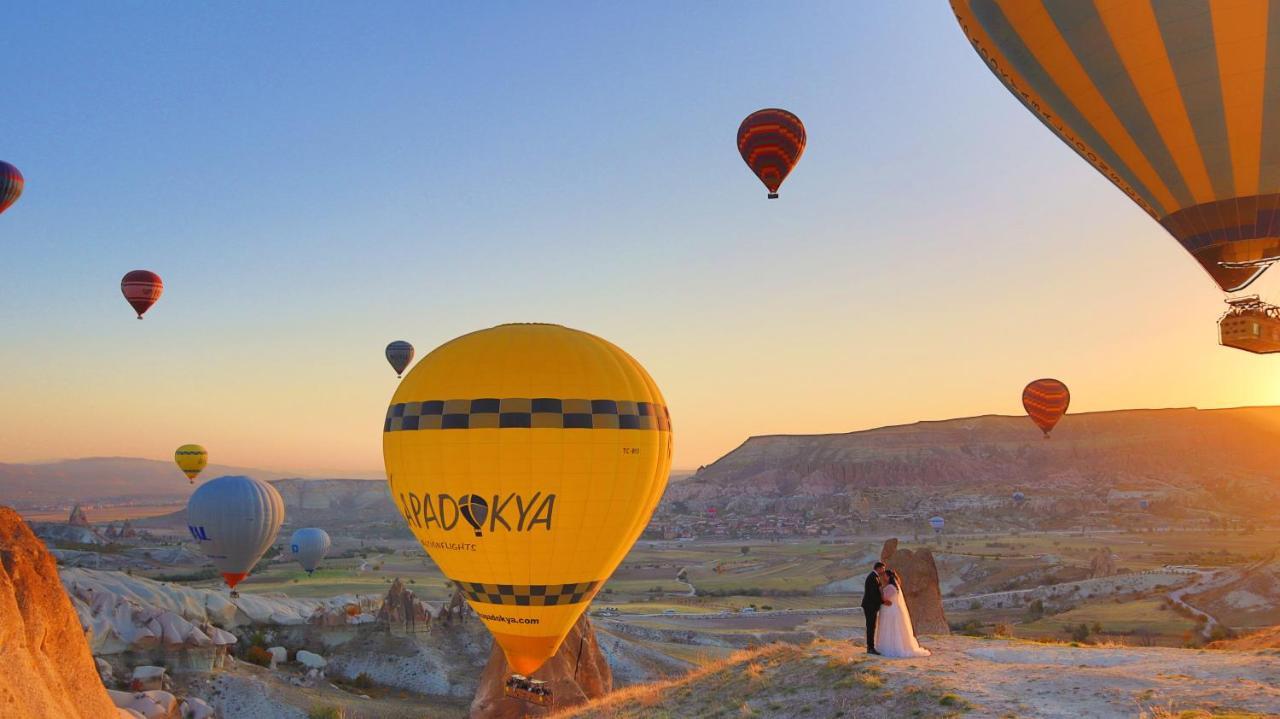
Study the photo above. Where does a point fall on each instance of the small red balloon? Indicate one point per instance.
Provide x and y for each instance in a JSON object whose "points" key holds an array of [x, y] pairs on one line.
{"points": [[1046, 400], [771, 142], [141, 289]]}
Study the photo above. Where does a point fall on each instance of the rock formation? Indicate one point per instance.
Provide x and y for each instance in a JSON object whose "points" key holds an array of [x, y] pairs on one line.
{"points": [[577, 673], [919, 585], [78, 518], [400, 606], [48, 671]]}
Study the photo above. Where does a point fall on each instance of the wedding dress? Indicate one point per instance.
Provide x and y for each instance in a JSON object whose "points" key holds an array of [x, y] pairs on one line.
{"points": [[895, 636]]}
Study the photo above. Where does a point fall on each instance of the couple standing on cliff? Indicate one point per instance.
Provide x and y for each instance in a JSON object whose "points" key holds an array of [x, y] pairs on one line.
{"points": [[889, 630]]}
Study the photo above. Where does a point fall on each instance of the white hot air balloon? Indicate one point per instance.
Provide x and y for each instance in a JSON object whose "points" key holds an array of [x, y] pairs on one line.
{"points": [[234, 520], [309, 546]]}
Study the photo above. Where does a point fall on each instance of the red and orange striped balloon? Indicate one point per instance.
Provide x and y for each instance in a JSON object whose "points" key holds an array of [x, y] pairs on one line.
{"points": [[771, 142], [1046, 401], [141, 289], [11, 184]]}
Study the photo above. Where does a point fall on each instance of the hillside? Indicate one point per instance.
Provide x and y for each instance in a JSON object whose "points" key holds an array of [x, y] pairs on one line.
{"points": [[965, 677], [1224, 460], [97, 478]]}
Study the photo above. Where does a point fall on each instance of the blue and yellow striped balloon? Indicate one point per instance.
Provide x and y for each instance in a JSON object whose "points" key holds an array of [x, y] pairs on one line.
{"points": [[1177, 103]]}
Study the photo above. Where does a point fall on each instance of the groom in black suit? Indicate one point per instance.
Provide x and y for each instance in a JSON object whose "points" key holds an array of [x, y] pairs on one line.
{"points": [[871, 603]]}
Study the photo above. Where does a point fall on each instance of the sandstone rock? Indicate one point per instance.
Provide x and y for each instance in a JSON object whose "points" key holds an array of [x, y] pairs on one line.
{"points": [[919, 586], [149, 705], [279, 655], [48, 671], [311, 660], [577, 673], [105, 672], [193, 708], [146, 677]]}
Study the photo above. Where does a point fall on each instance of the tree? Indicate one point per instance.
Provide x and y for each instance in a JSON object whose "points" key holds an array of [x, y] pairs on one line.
{"points": [[745, 551]]}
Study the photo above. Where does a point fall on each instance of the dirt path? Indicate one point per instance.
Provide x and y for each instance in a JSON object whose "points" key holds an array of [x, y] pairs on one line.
{"points": [[1009, 677], [1177, 598]]}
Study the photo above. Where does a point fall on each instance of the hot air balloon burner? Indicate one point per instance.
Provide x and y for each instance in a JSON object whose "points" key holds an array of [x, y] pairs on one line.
{"points": [[1250, 324], [534, 691]]}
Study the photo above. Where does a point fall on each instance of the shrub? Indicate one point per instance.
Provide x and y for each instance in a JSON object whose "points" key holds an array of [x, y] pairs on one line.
{"points": [[327, 712], [1004, 630], [257, 655], [1080, 633], [258, 639], [362, 681]]}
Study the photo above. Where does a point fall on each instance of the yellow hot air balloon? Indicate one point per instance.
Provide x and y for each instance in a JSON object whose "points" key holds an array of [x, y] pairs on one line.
{"points": [[1174, 102], [191, 459], [527, 459]]}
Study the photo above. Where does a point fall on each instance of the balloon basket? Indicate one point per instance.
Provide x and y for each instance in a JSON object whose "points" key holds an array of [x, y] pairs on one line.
{"points": [[534, 691], [235, 594], [773, 195], [1251, 325]]}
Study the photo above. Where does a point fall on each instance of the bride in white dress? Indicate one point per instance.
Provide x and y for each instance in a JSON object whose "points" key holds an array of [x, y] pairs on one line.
{"points": [[895, 636]]}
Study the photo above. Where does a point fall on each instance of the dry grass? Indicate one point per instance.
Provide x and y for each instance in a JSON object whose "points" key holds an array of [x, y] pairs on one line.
{"points": [[779, 680]]}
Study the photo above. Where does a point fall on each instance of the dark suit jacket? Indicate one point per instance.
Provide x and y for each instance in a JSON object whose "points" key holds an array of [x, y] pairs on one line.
{"points": [[871, 598]]}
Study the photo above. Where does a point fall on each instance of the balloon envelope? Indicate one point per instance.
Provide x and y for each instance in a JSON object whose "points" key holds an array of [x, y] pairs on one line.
{"points": [[309, 546], [11, 184], [1045, 401], [525, 481], [1019, 497], [399, 354], [191, 459], [936, 522], [234, 520], [141, 289], [771, 142], [1172, 102]]}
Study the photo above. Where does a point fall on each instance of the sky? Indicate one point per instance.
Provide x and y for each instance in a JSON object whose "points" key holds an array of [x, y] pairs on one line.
{"points": [[313, 180]]}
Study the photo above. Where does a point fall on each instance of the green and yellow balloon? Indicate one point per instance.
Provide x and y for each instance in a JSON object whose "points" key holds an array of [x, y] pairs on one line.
{"points": [[191, 459]]}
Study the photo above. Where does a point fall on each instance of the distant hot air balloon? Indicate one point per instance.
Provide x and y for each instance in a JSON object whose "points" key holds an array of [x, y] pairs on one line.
{"points": [[191, 459], [1046, 400], [527, 459], [234, 520], [11, 184], [771, 142], [937, 524], [1144, 504], [141, 289], [309, 546], [1173, 102], [399, 354], [1019, 497]]}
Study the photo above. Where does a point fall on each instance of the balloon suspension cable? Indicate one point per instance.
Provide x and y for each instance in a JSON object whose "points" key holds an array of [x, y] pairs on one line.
{"points": [[1249, 305], [578, 662]]}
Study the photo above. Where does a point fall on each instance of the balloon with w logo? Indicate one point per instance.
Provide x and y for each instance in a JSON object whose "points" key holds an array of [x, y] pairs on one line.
{"points": [[1046, 400], [527, 459], [234, 520], [771, 142]]}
